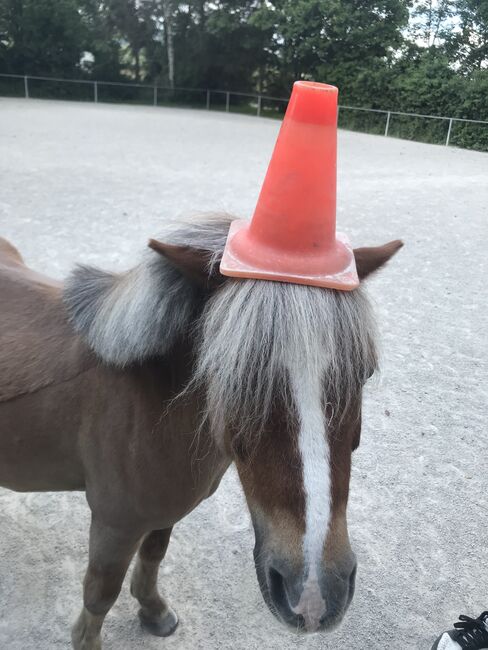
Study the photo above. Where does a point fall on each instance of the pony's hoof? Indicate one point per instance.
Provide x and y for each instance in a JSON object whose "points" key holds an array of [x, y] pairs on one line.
{"points": [[159, 624]]}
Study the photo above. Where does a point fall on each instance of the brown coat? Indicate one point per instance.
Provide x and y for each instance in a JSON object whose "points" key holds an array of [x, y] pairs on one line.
{"points": [[67, 422]]}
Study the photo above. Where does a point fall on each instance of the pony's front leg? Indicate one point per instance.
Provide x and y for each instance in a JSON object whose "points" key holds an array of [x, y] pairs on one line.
{"points": [[156, 615], [111, 551]]}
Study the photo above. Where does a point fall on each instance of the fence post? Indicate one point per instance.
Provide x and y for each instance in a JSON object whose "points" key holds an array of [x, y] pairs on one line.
{"points": [[155, 96], [26, 86], [387, 123], [95, 92], [227, 101], [449, 132], [259, 106], [208, 100]]}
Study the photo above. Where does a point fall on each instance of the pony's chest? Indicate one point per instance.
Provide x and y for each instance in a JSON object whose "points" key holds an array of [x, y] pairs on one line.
{"points": [[150, 463]]}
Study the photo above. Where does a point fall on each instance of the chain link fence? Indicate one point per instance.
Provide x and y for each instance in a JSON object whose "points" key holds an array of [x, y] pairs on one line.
{"points": [[435, 129]]}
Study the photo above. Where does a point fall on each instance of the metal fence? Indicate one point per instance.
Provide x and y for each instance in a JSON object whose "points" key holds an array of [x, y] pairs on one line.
{"points": [[393, 123]]}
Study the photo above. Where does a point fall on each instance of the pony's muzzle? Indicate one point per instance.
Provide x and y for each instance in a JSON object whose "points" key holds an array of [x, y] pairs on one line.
{"points": [[313, 603]]}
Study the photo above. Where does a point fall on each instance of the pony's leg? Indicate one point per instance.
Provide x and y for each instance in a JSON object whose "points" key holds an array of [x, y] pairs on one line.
{"points": [[156, 615], [110, 553]]}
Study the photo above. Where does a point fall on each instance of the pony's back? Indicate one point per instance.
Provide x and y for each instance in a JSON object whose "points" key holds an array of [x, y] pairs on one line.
{"points": [[37, 345]]}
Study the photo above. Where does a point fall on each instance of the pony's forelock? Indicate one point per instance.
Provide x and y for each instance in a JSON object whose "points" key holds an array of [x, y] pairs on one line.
{"points": [[255, 333]]}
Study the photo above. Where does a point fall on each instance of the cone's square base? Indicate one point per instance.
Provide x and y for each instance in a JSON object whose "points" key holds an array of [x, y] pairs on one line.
{"points": [[243, 261]]}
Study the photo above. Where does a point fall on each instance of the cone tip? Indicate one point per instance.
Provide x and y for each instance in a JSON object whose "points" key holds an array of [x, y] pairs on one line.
{"points": [[316, 86], [314, 103]]}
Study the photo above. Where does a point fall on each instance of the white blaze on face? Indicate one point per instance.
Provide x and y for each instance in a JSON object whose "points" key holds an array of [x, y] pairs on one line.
{"points": [[314, 450]]}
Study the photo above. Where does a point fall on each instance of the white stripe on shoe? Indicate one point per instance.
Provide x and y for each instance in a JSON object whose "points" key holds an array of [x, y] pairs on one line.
{"points": [[446, 643]]}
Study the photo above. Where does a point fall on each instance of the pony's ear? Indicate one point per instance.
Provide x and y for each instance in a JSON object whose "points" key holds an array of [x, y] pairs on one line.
{"points": [[194, 263], [370, 259]]}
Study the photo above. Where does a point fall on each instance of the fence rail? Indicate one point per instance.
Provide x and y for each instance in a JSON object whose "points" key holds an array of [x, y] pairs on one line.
{"points": [[257, 104]]}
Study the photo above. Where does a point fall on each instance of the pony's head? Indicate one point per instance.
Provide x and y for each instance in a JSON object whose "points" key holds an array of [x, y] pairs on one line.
{"points": [[281, 367]]}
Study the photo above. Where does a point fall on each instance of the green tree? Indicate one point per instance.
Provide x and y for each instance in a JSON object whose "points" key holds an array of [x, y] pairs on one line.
{"points": [[468, 44], [224, 44], [338, 40], [42, 36], [102, 41], [135, 22], [431, 21]]}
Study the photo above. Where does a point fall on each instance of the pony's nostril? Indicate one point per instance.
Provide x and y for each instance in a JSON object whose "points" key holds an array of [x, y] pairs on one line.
{"points": [[277, 588], [279, 598]]}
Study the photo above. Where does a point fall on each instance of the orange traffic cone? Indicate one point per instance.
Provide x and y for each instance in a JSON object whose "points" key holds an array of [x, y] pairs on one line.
{"points": [[292, 236]]}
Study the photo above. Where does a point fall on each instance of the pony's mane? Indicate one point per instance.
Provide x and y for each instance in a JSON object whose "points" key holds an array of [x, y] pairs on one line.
{"points": [[127, 317], [249, 334]]}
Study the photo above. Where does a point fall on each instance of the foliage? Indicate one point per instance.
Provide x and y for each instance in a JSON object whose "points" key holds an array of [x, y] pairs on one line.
{"points": [[469, 45], [42, 36], [422, 56]]}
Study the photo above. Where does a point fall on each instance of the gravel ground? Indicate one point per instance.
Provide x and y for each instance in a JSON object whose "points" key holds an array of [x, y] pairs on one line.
{"points": [[91, 183]]}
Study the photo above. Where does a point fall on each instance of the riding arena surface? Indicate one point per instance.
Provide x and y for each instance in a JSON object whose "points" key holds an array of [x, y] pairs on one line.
{"points": [[91, 183]]}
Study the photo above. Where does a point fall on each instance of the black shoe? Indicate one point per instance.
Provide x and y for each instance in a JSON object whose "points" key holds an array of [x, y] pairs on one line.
{"points": [[470, 634]]}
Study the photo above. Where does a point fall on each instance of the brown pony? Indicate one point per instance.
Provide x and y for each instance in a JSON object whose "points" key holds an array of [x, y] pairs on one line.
{"points": [[142, 388]]}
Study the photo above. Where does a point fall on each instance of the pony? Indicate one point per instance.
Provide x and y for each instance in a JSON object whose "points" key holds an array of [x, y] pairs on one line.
{"points": [[141, 388]]}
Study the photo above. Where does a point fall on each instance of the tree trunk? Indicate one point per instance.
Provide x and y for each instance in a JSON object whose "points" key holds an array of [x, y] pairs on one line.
{"points": [[138, 65], [201, 13], [429, 24], [170, 52]]}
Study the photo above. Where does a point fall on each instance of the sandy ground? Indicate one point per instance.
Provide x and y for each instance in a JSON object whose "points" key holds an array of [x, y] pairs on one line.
{"points": [[92, 183]]}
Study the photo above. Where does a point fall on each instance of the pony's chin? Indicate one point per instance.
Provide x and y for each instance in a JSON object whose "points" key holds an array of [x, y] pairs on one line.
{"points": [[297, 626], [328, 624]]}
